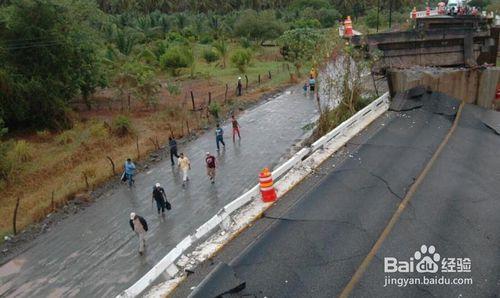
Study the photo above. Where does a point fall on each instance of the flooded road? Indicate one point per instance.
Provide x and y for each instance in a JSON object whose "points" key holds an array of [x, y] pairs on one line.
{"points": [[95, 253]]}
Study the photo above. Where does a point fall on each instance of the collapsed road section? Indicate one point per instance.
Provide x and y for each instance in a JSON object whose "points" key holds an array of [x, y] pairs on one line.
{"points": [[316, 240]]}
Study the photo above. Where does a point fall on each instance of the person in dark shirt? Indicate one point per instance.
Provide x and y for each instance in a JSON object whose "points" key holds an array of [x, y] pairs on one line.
{"points": [[219, 137], [210, 161], [160, 197], [172, 143], [140, 227]]}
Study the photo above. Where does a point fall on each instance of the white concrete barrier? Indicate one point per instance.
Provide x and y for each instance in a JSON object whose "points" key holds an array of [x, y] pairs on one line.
{"points": [[242, 200], [295, 159], [343, 132], [207, 227], [167, 261]]}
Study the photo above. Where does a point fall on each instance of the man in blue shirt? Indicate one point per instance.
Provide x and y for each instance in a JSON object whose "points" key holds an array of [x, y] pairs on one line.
{"points": [[219, 137], [312, 83], [130, 171]]}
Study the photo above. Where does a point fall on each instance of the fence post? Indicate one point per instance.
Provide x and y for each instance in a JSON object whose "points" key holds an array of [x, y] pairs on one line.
{"points": [[137, 146], [192, 100], [225, 94], [209, 98], [86, 180], [269, 74], [15, 215], [259, 79], [246, 82]]}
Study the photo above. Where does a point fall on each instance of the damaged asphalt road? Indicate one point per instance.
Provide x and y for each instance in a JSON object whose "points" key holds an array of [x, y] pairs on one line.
{"points": [[314, 239]]}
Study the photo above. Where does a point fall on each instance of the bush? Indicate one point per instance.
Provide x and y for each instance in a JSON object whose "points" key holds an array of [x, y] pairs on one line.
{"points": [[65, 137], [122, 126], [175, 58], [43, 135], [210, 56], [206, 39], [245, 43], [176, 38], [306, 23], [173, 89], [21, 152], [314, 4], [371, 18], [3, 129], [258, 26], [241, 59], [98, 130], [327, 17], [5, 162], [214, 109]]}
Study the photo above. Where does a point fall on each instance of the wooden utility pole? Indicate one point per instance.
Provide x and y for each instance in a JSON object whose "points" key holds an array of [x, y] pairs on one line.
{"points": [[225, 94], [15, 216], [192, 100]]}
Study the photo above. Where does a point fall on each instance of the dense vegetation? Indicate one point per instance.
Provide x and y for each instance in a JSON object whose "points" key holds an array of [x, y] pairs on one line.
{"points": [[55, 50]]}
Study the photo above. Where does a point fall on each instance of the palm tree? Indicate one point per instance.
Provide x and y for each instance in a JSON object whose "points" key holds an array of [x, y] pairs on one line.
{"points": [[222, 47]]}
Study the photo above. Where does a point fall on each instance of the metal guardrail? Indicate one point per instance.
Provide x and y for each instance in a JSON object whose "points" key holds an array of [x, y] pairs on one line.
{"points": [[223, 217]]}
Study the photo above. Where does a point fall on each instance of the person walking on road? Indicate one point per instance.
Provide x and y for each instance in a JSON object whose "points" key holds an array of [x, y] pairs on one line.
{"points": [[172, 143], [160, 197], [210, 161], [130, 171], [219, 137], [305, 87], [236, 127], [185, 166], [140, 227], [312, 83]]}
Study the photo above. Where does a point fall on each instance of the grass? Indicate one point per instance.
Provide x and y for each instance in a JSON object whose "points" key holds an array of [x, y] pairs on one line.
{"points": [[56, 164]]}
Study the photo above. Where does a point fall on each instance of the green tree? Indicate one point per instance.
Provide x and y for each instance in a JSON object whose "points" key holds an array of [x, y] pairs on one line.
{"points": [[306, 23], [241, 59], [126, 80], [210, 55], [495, 7], [222, 48], [49, 53], [314, 4], [148, 88], [3, 129], [299, 45], [371, 18], [258, 26], [175, 58]]}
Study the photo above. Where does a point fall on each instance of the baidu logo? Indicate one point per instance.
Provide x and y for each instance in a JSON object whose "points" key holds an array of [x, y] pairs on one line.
{"points": [[427, 260]]}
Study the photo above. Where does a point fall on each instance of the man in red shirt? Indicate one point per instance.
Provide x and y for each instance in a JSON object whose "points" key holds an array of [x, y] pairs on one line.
{"points": [[236, 128], [210, 161]]}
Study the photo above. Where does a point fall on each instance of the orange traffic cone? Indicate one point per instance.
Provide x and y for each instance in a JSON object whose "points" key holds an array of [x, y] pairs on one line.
{"points": [[267, 186], [348, 27]]}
